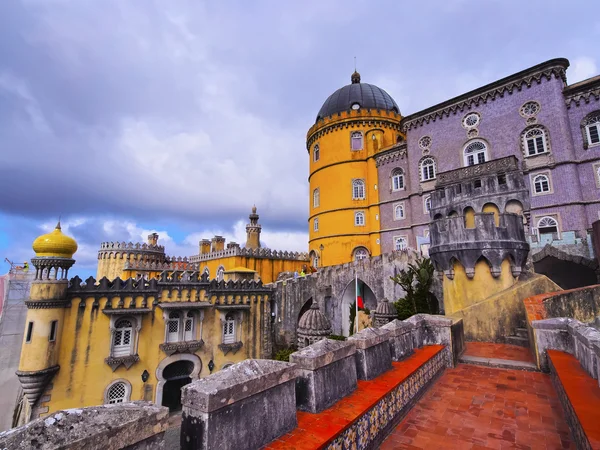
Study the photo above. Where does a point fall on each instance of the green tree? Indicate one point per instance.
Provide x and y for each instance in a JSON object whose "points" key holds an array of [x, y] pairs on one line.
{"points": [[416, 281]]}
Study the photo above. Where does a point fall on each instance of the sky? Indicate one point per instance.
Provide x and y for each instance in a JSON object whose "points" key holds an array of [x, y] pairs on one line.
{"points": [[126, 117]]}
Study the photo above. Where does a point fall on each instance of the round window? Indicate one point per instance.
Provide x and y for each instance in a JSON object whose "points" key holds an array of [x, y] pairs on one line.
{"points": [[471, 120], [355, 106], [425, 142], [530, 109]]}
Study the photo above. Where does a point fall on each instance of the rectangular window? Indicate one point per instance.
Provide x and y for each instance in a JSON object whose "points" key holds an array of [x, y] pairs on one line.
{"points": [[481, 158], [458, 188], [594, 133], [316, 224], [53, 327], [502, 179], [470, 160], [477, 183], [29, 332]]}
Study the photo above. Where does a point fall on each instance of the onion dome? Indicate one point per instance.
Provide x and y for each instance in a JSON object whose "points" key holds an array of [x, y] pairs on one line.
{"points": [[314, 323], [55, 244], [386, 310], [357, 95]]}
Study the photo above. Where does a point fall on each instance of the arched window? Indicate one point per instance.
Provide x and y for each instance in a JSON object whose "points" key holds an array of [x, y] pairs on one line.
{"points": [[427, 204], [207, 272], [427, 169], [547, 225], [189, 327], [123, 338], [173, 327], [534, 141], [220, 273], [314, 259], [357, 140], [229, 329], [475, 153], [316, 154], [316, 198], [400, 243], [399, 212], [359, 219], [591, 129], [316, 224], [358, 190], [397, 180], [118, 392], [360, 253], [541, 184]]}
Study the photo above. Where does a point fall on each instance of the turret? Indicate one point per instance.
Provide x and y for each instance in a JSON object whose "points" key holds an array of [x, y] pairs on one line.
{"points": [[45, 313], [253, 231]]}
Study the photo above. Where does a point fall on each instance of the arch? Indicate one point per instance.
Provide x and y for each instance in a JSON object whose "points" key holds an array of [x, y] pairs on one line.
{"points": [[535, 140], [590, 129], [314, 258], [452, 214], [492, 208], [349, 297], [397, 179], [567, 270], [427, 168], [469, 215], [194, 375], [117, 391], [307, 304], [360, 253], [220, 273], [227, 365], [438, 216], [427, 204], [475, 152], [514, 207]]}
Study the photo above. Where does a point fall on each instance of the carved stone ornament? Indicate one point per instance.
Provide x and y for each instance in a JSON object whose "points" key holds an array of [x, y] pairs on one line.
{"points": [[233, 348], [115, 361], [181, 347]]}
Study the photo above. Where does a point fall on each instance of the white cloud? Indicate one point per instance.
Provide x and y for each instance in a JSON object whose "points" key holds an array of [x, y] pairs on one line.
{"points": [[582, 67]]}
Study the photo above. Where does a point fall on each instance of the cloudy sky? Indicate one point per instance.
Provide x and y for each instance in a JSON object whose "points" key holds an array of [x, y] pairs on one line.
{"points": [[176, 116]]}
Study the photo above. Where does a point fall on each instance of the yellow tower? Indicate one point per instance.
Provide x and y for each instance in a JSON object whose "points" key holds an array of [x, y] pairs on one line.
{"points": [[45, 314], [354, 124]]}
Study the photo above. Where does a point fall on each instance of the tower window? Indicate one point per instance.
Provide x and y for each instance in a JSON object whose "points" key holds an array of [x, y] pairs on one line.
{"points": [[591, 129], [358, 190], [541, 184], [316, 198], [29, 333], [359, 219], [427, 169], [357, 140], [397, 180], [316, 224], [475, 153], [229, 329], [53, 327], [316, 153]]}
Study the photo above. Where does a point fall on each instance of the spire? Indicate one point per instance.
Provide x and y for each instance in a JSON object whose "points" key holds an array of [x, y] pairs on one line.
{"points": [[253, 230], [355, 78]]}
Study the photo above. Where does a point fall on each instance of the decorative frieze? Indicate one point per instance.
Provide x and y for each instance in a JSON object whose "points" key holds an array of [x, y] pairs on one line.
{"points": [[115, 361], [233, 348], [181, 347]]}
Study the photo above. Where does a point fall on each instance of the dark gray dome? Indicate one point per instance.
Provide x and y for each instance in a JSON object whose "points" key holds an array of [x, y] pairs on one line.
{"points": [[367, 96], [314, 323]]}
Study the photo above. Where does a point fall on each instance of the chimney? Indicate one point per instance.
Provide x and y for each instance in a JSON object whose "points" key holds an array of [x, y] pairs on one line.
{"points": [[232, 244], [253, 231], [153, 239], [218, 244], [204, 246]]}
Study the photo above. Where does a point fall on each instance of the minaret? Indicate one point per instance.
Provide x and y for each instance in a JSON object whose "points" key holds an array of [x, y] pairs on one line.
{"points": [[45, 312], [253, 231]]}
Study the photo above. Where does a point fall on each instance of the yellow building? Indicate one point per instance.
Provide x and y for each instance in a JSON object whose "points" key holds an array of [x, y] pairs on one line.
{"points": [[215, 257], [355, 123], [108, 342]]}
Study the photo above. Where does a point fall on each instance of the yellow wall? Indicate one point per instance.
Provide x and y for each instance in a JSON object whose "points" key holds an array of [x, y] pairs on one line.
{"points": [[333, 174], [462, 292], [84, 375]]}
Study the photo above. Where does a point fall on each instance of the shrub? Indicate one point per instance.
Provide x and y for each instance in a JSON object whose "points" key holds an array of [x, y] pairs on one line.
{"points": [[416, 281], [337, 337], [284, 354]]}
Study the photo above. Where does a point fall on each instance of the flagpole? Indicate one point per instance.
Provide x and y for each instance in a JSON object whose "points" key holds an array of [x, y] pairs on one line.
{"points": [[356, 300]]}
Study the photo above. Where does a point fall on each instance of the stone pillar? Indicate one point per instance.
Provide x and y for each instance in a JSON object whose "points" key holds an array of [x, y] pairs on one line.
{"points": [[401, 341], [373, 356], [327, 373], [204, 246], [243, 407], [153, 239]]}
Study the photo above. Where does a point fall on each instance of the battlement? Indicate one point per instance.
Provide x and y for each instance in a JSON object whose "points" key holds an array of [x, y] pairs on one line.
{"points": [[250, 253], [130, 247], [172, 263]]}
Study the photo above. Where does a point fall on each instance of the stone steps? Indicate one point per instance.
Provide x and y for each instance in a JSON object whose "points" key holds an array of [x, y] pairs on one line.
{"points": [[498, 363]]}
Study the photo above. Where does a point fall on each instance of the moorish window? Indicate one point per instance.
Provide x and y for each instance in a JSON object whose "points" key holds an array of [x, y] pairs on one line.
{"points": [[591, 129], [316, 153], [220, 273], [180, 326], [427, 169], [123, 338], [229, 329], [547, 225], [117, 393], [316, 198], [475, 153], [541, 184], [360, 253], [359, 219], [357, 140], [397, 180], [534, 141], [358, 190], [316, 224]]}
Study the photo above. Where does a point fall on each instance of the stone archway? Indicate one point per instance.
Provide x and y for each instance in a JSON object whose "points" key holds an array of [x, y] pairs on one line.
{"points": [[349, 297], [168, 371], [566, 270]]}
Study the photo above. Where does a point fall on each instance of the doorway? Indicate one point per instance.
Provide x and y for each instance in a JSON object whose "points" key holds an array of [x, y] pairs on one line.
{"points": [[176, 375]]}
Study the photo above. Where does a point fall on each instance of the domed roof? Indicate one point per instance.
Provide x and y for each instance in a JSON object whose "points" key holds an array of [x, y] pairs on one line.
{"points": [[55, 244], [385, 309], [314, 323], [365, 95]]}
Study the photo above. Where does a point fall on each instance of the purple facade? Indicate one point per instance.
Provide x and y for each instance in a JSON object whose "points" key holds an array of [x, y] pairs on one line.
{"points": [[533, 115]]}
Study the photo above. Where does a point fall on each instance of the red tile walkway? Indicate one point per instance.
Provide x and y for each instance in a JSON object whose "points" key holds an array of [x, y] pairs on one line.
{"points": [[474, 407], [498, 351]]}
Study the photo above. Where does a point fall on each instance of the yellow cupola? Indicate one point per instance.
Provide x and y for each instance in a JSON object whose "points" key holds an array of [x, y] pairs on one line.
{"points": [[55, 244]]}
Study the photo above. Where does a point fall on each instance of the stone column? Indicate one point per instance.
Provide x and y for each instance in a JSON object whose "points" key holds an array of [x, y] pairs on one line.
{"points": [[373, 356], [327, 373], [243, 407]]}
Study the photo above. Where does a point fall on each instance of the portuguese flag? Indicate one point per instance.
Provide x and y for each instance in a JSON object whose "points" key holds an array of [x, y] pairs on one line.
{"points": [[359, 295]]}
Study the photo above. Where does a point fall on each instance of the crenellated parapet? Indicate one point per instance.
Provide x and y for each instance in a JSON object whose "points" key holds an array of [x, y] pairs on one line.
{"points": [[250, 253], [492, 239], [119, 250], [172, 263]]}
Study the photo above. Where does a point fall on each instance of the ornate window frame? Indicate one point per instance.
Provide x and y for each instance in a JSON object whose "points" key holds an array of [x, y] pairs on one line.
{"points": [[316, 197], [398, 179], [220, 273], [529, 109], [316, 152], [126, 398], [359, 189], [425, 142], [397, 239], [359, 219], [475, 153], [545, 140], [233, 317], [399, 206], [590, 119], [432, 164], [358, 137], [197, 319], [536, 177], [554, 217], [136, 325], [467, 120]]}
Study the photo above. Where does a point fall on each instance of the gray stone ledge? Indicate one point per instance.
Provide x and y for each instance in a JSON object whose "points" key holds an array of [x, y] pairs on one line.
{"points": [[429, 319], [322, 353], [369, 337], [398, 328], [551, 324], [238, 382]]}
